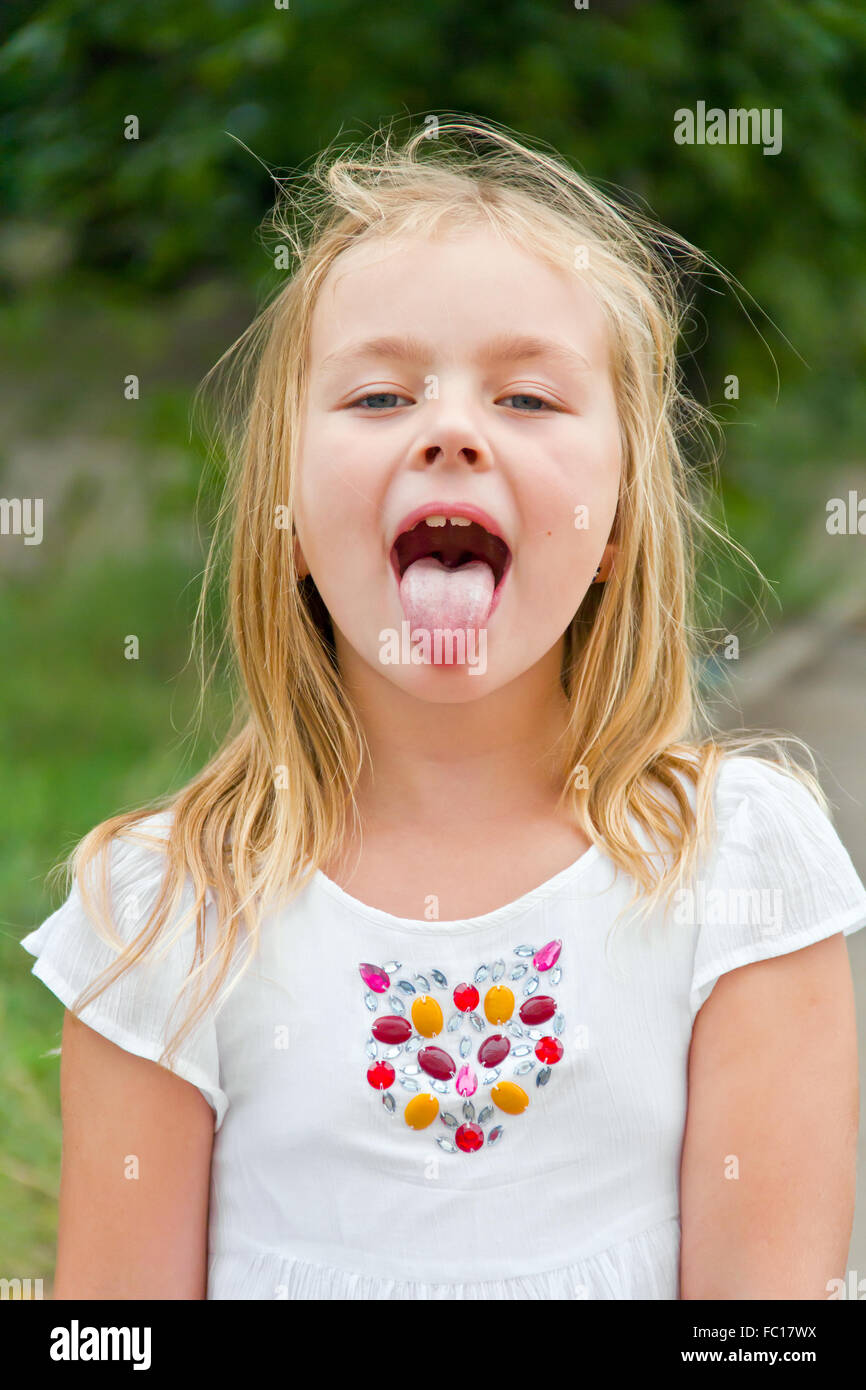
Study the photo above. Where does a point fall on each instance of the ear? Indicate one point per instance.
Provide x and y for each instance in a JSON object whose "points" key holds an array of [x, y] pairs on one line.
{"points": [[300, 563], [606, 564]]}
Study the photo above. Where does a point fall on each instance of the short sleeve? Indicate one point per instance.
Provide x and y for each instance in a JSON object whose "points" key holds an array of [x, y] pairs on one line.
{"points": [[779, 877], [135, 1010]]}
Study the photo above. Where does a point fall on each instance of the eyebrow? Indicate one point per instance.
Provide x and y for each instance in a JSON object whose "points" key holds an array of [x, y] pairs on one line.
{"points": [[507, 347]]}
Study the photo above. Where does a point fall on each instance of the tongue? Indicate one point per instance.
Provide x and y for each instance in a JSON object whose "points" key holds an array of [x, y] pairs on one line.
{"points": [[434, 596]]}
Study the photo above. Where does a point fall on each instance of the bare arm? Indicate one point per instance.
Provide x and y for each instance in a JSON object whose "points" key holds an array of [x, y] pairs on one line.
{"points": [[123, 1236], [773, 1085]]}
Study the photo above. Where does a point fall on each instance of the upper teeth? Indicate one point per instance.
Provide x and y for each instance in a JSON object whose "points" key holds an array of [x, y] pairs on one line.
{"points": [[441, 520]]}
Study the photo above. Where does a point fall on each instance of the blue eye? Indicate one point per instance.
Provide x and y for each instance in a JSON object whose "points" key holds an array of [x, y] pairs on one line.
{"points": [[522, 396], [390, 396]]}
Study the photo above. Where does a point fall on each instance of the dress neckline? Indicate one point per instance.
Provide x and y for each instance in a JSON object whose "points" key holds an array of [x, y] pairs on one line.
{"points": [[463, 924]]}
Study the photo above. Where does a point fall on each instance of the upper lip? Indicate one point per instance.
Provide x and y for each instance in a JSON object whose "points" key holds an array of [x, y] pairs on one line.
{"points": [[499, 552], [449, 509]]}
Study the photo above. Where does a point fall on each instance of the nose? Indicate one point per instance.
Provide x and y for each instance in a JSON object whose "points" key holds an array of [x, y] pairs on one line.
{"points": [[452, 434], [435, 453]]}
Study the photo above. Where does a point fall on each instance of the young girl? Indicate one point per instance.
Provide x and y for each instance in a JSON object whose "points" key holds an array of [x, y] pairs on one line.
{"points": [[563, 1008]]}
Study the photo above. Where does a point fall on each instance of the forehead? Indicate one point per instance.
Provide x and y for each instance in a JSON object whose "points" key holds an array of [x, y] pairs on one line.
{"points": [[457, 292]]}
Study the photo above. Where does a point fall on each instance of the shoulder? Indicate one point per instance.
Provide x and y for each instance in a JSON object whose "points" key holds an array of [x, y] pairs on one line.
{"points": [[776, 876], [137, 855], [763, 808]]}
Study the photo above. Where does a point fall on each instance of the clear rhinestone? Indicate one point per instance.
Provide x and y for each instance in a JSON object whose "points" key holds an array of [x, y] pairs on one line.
{"points": [[371, 1001], [372, 1051], [407, 1084], [389, 1102], [485, 1115], [523, 1067], [454, 1022], [440, 979], [465, 1047], [531, 985], [477, 1022], [393, 1051], [556, 975], [558, 1023], [448, 1119], [516, 1029], [446, 1145], [498, 970], [423, 982], [411, 1070], [524, 950], [413, 1044], [543, 1077], [519, 971], [481, 974], [468, 1111], [521, 1051], [535, 1034], [494, 1134], [392, 967], [440, 1086], [490, 1076], [396, 1003], [406, 986]]}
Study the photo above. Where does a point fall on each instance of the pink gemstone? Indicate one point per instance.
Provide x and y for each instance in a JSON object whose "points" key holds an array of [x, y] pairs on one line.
{"points": [[494, 1050], [547, 957], [549, 1050], [374, 978], [392, 1029], [467, 1082], [380, 1075], [537, 1010], [469, 1138], [466, 998], [436, 1062]]}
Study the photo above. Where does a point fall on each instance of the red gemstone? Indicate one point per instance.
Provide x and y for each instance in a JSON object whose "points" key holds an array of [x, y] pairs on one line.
{"points": [[380, 1075], [375, 978], [494, 1050], [549, 1050], [466, 998], [469, 1138], [547, 957], [538, 1010], [436, 1062], [392, 1029]]}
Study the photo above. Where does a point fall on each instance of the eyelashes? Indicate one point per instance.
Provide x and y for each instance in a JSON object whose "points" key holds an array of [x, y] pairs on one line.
{"points": [[394, 396], [378, 396]]}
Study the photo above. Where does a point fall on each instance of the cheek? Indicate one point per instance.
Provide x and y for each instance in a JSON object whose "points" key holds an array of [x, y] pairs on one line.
{"points": [[335, 501]]}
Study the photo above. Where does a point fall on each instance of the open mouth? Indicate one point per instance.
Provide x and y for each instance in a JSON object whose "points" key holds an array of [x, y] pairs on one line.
{"points": [[453, 541], [450, 571]]}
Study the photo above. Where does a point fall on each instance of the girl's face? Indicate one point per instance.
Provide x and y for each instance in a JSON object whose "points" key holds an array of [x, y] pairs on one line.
{"points": [[455, 377]]}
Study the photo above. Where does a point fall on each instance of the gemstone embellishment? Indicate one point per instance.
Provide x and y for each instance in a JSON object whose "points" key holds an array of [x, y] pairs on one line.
{"points": [[466, 1085]]}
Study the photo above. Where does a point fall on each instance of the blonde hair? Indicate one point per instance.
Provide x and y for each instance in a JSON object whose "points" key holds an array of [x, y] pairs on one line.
{"points": [[637, 723]]}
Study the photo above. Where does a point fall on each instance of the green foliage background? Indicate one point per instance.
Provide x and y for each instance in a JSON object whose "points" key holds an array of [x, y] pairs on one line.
{"points": [[120, 256]]}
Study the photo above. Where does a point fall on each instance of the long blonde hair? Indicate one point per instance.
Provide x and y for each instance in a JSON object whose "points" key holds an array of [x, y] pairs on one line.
{"points": [[271, 805]]}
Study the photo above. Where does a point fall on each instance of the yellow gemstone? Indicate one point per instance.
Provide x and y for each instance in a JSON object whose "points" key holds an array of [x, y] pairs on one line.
{"points": [[427, 1016], [509, 1097], [499, 1004], [421, 1111]]}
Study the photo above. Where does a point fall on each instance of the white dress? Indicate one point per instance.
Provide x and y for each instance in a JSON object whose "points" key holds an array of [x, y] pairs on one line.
{"points": [[549, 1172]]}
